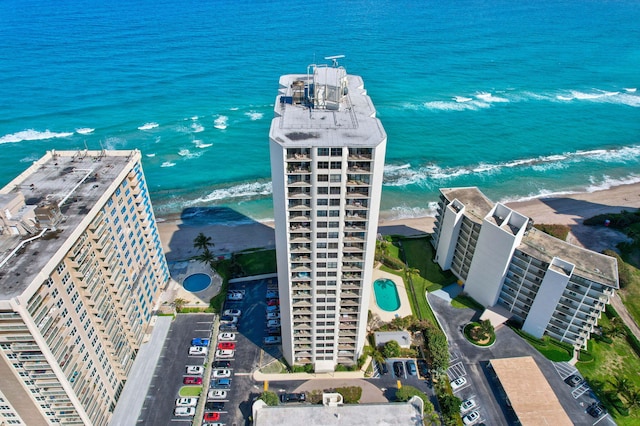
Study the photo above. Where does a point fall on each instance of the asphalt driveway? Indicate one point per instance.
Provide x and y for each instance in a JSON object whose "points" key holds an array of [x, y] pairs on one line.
{"points": [[472, 362]]}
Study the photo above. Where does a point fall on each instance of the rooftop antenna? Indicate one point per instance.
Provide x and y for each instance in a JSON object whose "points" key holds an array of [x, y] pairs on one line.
{"points": [[334, 59]]}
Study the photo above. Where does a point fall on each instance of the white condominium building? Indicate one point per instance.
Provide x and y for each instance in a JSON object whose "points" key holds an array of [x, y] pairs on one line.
{"points": [[81, 267], [327, 159], [548, 285]]}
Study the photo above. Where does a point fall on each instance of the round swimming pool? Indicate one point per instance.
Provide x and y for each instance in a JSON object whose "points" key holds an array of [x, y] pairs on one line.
{"points": [[387, 297], [196, 282]]}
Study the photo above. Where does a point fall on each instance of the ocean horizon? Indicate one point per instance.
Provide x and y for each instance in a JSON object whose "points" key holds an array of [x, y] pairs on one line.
{"points": [[520, 100]]}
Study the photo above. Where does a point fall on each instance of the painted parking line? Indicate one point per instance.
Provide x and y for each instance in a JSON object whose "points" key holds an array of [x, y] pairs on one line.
{"points": [[580, 390], [456, 370]]}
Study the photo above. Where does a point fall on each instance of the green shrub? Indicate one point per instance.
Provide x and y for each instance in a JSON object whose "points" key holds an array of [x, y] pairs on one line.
{"points": [[306, 368], [391, 349], [555, 230], [270, 398]]}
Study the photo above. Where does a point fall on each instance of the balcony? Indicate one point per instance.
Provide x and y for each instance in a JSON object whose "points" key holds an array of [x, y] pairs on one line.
{"points": [[354, 180], [297, 217], [301, 168], [358, 167]]}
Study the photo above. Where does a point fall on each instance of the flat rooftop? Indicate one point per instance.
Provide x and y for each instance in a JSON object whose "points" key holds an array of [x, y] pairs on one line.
{"points": [[353, 124], [477, 205], [531, 396], [588, 264], [403, 413], [77, 179]]}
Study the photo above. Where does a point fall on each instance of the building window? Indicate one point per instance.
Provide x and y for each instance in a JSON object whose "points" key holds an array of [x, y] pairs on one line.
{"points": [[323, 164], [336, 165], [335, 178], [336, 152], [323, 190], [322, 201], [323, 152], [323, 178]]}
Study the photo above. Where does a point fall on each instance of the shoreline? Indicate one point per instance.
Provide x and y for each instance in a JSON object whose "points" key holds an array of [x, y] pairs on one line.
{"points": [[177, 233]]}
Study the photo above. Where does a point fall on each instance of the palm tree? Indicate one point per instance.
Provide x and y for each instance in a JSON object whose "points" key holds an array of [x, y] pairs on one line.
{"points": [[621, 385], [202, 242], [206, 257], [633, 398], [179, 303]]}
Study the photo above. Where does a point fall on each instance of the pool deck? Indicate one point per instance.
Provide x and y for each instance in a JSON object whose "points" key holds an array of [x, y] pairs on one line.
{"points": [[181, 270], [405, 306]]}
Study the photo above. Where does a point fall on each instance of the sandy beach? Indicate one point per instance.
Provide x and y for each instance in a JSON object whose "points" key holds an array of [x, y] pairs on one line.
{"points": [[177, 234]]}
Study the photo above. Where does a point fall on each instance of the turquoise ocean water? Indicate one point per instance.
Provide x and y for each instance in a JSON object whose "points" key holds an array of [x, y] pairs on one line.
{"points": [[518, 98]]}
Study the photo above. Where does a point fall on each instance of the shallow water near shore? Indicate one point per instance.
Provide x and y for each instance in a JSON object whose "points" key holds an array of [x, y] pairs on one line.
{"points": [[517, 99]]}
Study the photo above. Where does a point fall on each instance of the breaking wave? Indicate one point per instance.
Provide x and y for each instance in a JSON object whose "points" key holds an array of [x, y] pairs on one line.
{"points": [[33, 135]]}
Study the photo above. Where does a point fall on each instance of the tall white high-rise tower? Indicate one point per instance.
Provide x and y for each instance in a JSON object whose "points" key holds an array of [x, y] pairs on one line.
{"points": [[327, 160]]}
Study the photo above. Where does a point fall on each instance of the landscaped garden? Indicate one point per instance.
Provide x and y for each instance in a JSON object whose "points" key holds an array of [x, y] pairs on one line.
{"points": [[480, 333]]}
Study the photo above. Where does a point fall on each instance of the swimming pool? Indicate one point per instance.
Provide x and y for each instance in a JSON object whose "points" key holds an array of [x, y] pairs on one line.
{"points": [[387, 297], [196, 282]]}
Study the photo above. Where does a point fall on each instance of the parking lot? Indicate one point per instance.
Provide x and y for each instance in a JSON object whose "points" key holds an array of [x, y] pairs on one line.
{"points": [[471, 362], [171, 369]]}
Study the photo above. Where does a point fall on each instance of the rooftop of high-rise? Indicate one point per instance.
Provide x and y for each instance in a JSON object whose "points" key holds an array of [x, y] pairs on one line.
{"points": [[325, 107], [45, 204]]}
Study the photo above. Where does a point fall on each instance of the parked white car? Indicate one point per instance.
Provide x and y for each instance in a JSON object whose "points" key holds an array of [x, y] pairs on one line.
{"points": [[220, 373], [224, 353], [471, 418], [197, 350], [217, 394], [195, 370], [467, 405], [458, 383], [184, 411], [227, 337], [186, 402], [233, 312]]}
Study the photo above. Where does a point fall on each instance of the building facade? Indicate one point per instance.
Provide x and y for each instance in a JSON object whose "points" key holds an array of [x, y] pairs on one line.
{"points": [[81, 268], [327, 157], [550, 286]]}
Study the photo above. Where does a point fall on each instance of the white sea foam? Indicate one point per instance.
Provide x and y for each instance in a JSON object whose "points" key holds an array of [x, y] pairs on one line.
{"points": [[33, 135], [194, 118], [85, 130], [243, 190], [29, 159], [253, 115], [434, 175], [167, 164], [151, 155], [197, 127], [407, 212], [488, 97], [221, 122], [630, 89], [188, 154], [148, 126], [461, 99], [199, 144], [234, 109]]}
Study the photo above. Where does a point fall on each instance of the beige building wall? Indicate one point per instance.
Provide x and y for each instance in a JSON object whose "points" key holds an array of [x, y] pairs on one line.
{"points": [[70, 330]]}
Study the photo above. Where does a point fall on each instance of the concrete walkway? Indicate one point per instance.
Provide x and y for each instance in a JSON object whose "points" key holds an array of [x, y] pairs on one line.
{"points": [[262, 377], [135, 391]]}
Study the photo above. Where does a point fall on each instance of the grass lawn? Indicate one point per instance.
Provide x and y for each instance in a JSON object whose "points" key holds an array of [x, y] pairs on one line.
{"points": [[631, 295], [190, 391], [257, 262], [462, 301], [612, 360], [552, 350], [419, 254], [275, 367]]}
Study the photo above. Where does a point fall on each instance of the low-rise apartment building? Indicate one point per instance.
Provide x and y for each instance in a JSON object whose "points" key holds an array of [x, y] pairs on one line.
{"points": [[548, 285]]}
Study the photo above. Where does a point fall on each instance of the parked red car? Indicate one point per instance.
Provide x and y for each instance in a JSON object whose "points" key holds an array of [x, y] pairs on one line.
{"points": [[227, 346], [211, 417], [273, 302], [192, 380]]}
